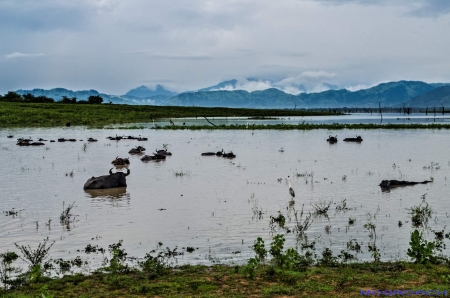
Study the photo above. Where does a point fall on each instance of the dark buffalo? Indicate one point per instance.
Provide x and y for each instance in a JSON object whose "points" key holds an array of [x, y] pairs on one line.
{"points": [[11, 136], [154, 157], [92, 140], [121, 161], [208, 153], [357, 139], [107, 181], [229, 155], [163, 152], [218, 153], [332, 139], [137, 150], [387, 184]]}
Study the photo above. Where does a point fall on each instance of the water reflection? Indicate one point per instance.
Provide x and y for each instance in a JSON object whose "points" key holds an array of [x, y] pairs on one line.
{"points": [[111, 193]]}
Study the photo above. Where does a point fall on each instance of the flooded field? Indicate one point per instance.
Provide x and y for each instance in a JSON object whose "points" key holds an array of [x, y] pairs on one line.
{"points": [[216, 205], [355, 118]]}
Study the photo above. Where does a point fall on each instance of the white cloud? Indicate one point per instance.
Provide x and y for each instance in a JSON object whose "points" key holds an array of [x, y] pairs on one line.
{"points": [[21, 55], [356, 87]]}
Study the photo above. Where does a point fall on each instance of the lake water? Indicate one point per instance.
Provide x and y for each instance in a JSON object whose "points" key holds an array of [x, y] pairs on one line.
{"points": [[213, 203], [356, 118]]}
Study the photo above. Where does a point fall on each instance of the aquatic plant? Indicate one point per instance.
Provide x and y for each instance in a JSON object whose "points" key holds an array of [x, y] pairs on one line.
{"points": [[321, 209], [421, 251], [66, 218], [420, 215], [302, 224], [37, 256]]}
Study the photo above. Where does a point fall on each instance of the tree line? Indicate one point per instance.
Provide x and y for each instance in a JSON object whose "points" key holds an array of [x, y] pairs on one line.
{"points": [[30, 98]]}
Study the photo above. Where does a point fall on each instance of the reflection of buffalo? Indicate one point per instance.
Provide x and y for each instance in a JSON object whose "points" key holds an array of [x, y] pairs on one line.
{"points": [[107, 181], [112, 193], [387, 184], [357, 139], [332, 139]]}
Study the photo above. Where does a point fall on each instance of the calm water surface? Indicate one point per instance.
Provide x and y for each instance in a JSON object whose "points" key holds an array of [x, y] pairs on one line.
{"points": [[356, 118], [212, 203]]}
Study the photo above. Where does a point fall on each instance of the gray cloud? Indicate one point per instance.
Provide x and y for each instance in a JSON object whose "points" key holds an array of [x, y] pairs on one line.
{"points": [[420, 8], [116, 45]]}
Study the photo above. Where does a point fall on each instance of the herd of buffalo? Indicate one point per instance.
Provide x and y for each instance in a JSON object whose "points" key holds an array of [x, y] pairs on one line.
{"points": [[118, 179]]}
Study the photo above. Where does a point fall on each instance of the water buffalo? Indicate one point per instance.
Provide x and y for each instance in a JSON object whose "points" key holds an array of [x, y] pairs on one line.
{"points": [[121, 161], [387, 184], [154, 157], [137, 150], [218, 153], [229, 155], [208, 153], [92, 140], [332, 139], [107, 181], [357, 139], [163, 152]]}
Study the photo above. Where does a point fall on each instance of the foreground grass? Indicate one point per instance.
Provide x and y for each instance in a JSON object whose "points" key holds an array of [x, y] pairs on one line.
{"points": [[225, 281], [14, 114]]}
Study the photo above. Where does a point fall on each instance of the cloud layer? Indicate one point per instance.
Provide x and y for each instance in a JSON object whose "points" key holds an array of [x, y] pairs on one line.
{"points": [[116, 45]]}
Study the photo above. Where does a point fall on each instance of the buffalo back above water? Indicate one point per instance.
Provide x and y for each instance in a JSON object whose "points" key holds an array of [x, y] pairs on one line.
{"points": [[107, 181]]}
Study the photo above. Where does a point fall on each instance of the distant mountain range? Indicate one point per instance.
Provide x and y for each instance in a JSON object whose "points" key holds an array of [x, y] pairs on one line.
{"points": [[224, 94]]}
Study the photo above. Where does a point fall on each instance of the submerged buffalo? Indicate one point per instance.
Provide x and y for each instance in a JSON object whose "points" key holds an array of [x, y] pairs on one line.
{"points": [[387, 184], [332, 139], [107, 181], [137, 150], [155, 156], [163, 152], [357, 139], [121, 161], [218, 153]]}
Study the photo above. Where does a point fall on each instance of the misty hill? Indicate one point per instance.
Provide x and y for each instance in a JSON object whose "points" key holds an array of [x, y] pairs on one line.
{"points": [[231, 83], [158, 95], [434, 98], [270, 98], [392, 94]]}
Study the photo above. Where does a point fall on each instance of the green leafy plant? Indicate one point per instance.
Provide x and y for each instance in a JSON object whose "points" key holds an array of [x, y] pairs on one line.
{"points": [[421, 251], [259, 249]]}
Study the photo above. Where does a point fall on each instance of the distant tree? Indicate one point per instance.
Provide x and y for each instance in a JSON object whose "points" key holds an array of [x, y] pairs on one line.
{"points": [[43, 99], [65, 99], [28, 97], [95, 99], [12, 96]]}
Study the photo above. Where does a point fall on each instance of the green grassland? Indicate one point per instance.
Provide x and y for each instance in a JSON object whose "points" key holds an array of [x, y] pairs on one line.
{"points": [[13, 114], [226, 281]]}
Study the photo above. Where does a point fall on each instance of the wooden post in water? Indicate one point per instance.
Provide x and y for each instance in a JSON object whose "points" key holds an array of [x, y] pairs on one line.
{"points": [[426, 111], [381, 113]]}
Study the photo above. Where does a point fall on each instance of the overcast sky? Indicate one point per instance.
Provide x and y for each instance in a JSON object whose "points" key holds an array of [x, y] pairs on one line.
{"points": [[116, 45]]}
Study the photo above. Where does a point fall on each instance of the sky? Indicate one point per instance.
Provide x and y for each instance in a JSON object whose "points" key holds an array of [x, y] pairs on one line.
{"points": [[113, 46]]}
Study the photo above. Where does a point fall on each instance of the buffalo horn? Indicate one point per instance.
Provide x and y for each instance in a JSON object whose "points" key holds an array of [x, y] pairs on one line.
{"points": [[128, 172], [110, 171]]}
